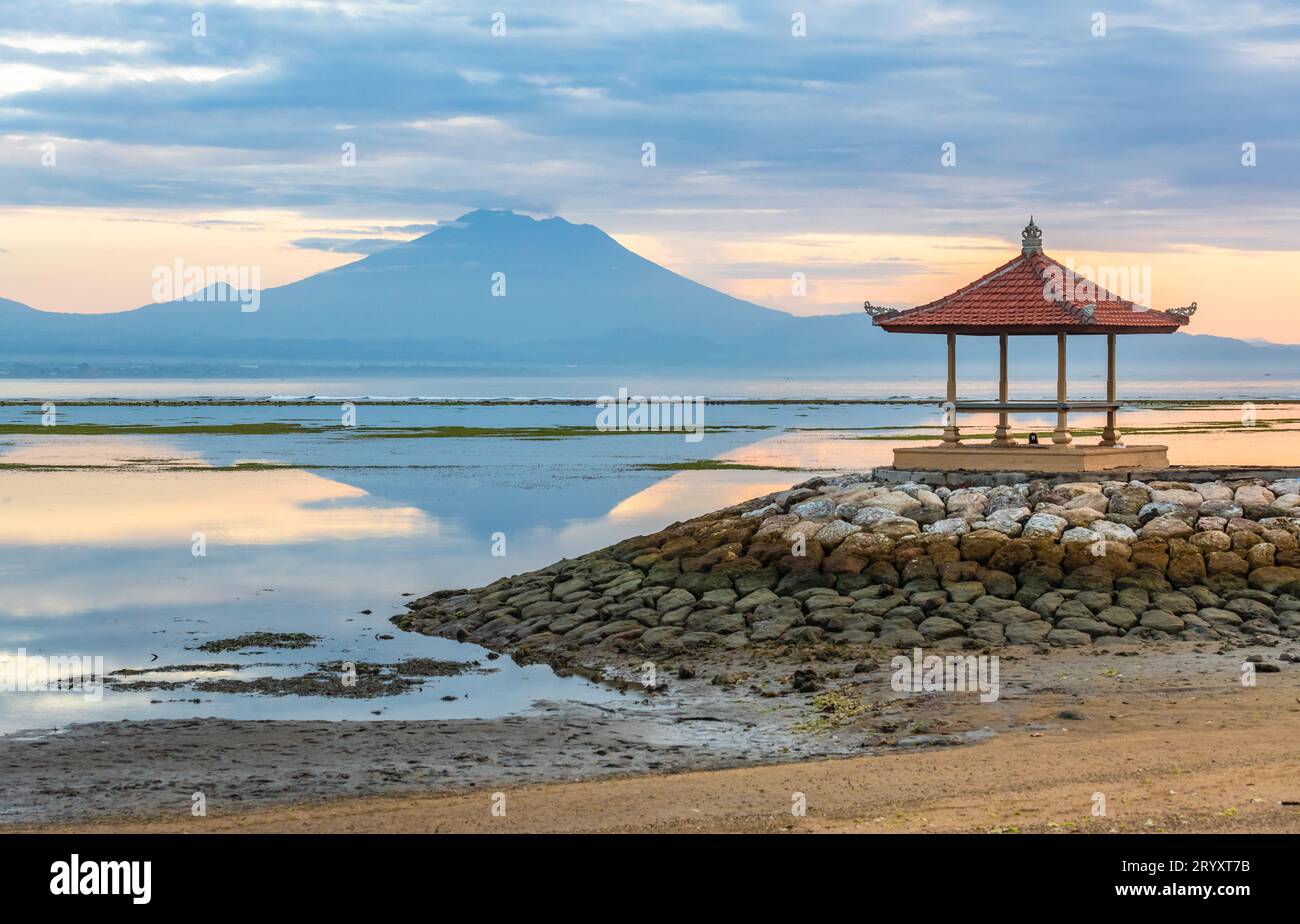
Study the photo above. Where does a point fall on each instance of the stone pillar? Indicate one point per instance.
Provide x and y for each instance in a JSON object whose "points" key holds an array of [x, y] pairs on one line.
{"points": [[951, 436], [1061, 435], [1110, 436], [1002, 436]]}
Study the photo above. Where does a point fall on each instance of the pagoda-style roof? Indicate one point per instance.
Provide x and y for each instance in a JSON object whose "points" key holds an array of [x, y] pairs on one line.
{"points": [[1031, 294]]}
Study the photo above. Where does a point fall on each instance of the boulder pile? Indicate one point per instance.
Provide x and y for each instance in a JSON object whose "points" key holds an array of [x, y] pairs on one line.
{"points": [[852, 560]]}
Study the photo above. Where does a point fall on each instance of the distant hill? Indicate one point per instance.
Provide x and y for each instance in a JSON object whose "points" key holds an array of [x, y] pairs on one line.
{"points": [[573, 297]]}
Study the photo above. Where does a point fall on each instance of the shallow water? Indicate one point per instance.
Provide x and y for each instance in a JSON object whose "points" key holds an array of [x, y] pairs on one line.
{"points": [[97, 532]]}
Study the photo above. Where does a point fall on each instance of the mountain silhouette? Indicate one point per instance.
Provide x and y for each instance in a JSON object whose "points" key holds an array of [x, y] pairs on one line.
{"points": [[498, 287]]}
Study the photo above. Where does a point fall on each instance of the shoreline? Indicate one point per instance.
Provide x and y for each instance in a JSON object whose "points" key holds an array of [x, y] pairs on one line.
{"points": [[1168, 755], [764, 663]]}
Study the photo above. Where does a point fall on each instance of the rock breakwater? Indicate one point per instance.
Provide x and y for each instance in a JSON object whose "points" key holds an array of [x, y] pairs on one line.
{"points": [[857, 561]]}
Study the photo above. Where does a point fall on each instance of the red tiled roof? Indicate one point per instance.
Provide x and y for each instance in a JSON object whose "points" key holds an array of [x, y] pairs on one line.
{"points": [[1032, 294]]}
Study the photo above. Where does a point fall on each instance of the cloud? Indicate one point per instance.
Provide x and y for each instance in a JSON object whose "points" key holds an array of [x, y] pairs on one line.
{"points": [[345, 245], [1127, 140]]}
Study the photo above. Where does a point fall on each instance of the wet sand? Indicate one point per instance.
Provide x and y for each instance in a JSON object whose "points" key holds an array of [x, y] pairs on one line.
{"points": [[1168, 736]]}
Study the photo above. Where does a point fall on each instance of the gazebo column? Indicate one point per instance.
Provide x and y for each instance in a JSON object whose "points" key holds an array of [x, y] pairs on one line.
{"points": [[1002, 435], [951, 436], [1110, 436], [1061, 435]]}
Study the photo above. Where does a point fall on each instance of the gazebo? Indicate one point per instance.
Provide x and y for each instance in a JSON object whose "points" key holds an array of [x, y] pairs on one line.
{"points": [[1031, 295]]}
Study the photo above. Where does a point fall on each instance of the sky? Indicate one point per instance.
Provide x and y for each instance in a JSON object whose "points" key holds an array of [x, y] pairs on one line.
{"points": [[889, 151]]}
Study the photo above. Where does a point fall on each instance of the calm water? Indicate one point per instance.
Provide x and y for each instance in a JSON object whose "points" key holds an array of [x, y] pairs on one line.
{"points": [[96, 531]]}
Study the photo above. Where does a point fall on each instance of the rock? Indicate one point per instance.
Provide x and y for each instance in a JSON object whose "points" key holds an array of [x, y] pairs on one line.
{"points": [[1155, 509], [897, 502], [1165, 527], [1187, 569], [1092, 627], [1063, 638], [1220, 508], [1047, 604], [982, 545], [1161, 621], [1190, 500], [1044, 525], [1134, 598], [1080, 534], [1249, 609], [1094, 600], [1174, 602], [1145, 579], [700, 582], [937, 627], [1273, 579], [793, 496], [1120, 617], [835, 532], [878, 606], [1014, 614], [997, 583], [954, 526], [748, 581], [967, 504], [755, 599], [1254, 499], [675, 599], [1089, 500], [990, 632], [1213, 491], [913, 614], [929, 600], [617, 627], [759, 513], [828, 600], [1203, 596], [723, 597], [1219, 617], [821, 508], [774, 625], [895, 527], [855, 552], [1111, 531], [964, 591], [805, 680], [901, 638], [1129, 500], [963, 613], [1027, 633], [720, 620], [1212, 540], [1090, 577], [660, 635], [1072, 609]]}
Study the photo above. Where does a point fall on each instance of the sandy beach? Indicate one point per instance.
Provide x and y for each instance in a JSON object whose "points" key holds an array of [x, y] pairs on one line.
{"points": [[1173, 743]]}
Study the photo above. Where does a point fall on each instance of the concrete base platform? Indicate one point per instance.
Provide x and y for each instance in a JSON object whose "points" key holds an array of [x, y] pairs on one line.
{"points": [[1042, 458]]}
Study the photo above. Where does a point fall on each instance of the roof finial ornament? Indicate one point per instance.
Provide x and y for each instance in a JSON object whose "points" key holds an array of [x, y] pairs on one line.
{"points": [[1186, 311], [877, 311], [1031, 239]]}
